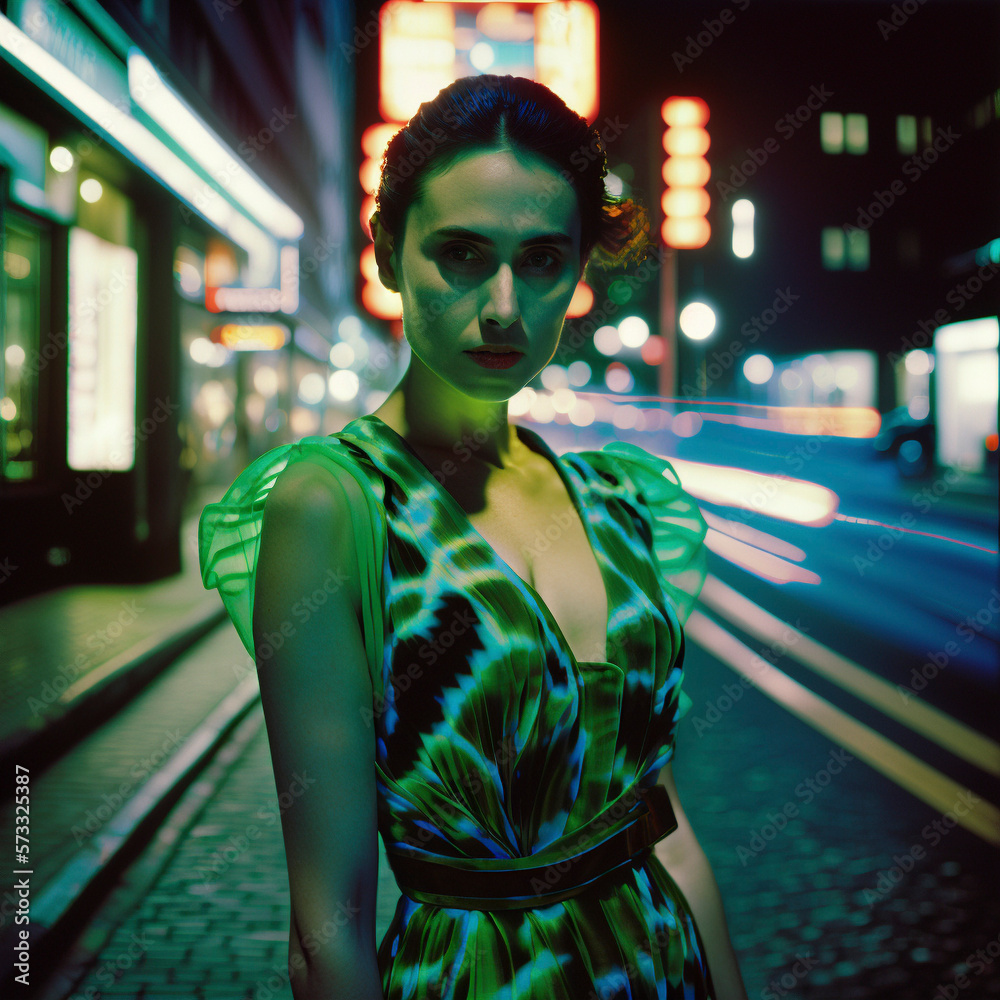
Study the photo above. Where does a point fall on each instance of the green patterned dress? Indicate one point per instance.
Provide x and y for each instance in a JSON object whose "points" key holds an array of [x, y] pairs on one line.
{"points": [[493, 743]]}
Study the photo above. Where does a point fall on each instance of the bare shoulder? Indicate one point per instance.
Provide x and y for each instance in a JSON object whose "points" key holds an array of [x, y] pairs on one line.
{"points": [[312, 512]]}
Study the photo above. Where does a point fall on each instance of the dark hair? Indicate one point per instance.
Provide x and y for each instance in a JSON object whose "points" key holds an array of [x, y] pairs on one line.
{"points": [[512, 112]]}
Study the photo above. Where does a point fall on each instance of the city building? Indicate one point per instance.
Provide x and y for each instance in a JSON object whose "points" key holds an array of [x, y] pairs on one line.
{"points": [[175, 187]]}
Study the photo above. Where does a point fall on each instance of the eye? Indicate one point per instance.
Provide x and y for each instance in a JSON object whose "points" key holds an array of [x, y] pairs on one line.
{"points": [[543, 260], [455, 253]]}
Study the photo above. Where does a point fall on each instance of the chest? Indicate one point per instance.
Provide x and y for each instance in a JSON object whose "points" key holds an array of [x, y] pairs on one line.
{"points": [[538, 533]]}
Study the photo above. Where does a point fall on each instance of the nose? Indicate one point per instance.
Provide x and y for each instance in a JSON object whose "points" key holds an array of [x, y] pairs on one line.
{"points": [[501, 305]]}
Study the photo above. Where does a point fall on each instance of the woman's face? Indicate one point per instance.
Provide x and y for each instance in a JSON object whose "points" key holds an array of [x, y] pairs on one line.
{"points": [[490, 256]]}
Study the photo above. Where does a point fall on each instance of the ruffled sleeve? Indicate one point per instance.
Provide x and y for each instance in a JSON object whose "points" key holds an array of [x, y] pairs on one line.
{"points": [[229, 539], [677, 527]]}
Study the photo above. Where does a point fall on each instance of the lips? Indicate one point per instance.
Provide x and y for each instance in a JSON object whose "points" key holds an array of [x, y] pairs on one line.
{"points": [[498, 357]]}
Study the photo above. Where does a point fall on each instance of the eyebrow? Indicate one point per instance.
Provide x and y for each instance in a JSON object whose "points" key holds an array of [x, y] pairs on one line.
{"points": [[468, 234]]}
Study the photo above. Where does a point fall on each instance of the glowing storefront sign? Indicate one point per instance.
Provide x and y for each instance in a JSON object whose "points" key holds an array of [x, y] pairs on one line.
{"points": [[416, 55], [425, 46], [284, 299], [251, 336], [375, 297], [685, 201], [566, 53]]}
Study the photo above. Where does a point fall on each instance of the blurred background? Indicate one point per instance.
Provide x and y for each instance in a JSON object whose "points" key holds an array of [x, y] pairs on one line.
{"points": [[188, 281]]}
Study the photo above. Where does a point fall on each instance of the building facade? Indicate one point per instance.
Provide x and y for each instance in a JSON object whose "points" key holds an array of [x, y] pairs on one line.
{"points": [[175, 185]]}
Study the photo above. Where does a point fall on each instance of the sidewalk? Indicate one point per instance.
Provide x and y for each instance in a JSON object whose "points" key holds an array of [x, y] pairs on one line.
{"points": [[205, 912], [70, 657], [77, 665]]}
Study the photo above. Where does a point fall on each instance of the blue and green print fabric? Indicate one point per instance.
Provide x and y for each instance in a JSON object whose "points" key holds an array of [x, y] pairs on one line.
{"points": [[501, 745]]}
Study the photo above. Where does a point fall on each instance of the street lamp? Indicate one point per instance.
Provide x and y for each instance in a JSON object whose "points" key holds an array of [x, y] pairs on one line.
{"points": [[757, 370], [697, 321]]}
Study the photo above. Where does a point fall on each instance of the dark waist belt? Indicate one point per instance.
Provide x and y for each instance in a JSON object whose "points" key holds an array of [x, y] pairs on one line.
{"points": [[503, 883]]}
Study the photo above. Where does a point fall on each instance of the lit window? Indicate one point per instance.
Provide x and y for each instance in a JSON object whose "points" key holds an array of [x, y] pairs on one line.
{"points": [[856, 133], [831, 132], [906, 134], [857, 249], [833, 248]]}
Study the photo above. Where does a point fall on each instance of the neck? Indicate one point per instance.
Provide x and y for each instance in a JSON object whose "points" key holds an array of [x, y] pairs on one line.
{"points": [[434, 416]]}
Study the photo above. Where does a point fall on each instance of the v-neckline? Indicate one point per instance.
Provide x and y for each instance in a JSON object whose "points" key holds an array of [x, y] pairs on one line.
{"points": [[542, 610]]}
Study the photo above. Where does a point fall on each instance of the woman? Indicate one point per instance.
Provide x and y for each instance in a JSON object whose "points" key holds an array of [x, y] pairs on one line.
{"points": [[474, 645]]}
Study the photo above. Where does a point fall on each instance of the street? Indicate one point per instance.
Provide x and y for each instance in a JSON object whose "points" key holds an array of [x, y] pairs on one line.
{"points": [[840, 776]]}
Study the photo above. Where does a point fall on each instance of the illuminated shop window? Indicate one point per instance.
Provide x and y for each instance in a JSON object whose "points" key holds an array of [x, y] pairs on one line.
{"points": [[102, 352]]}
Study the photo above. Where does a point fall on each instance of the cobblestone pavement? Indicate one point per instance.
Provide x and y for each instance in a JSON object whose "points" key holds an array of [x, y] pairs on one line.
{"points": [[215, 923], [80, 794], [837, 884]]}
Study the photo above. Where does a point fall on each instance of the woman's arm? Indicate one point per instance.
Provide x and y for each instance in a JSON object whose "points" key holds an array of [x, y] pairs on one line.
{"points": [[685, 861], [315, 688]]}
